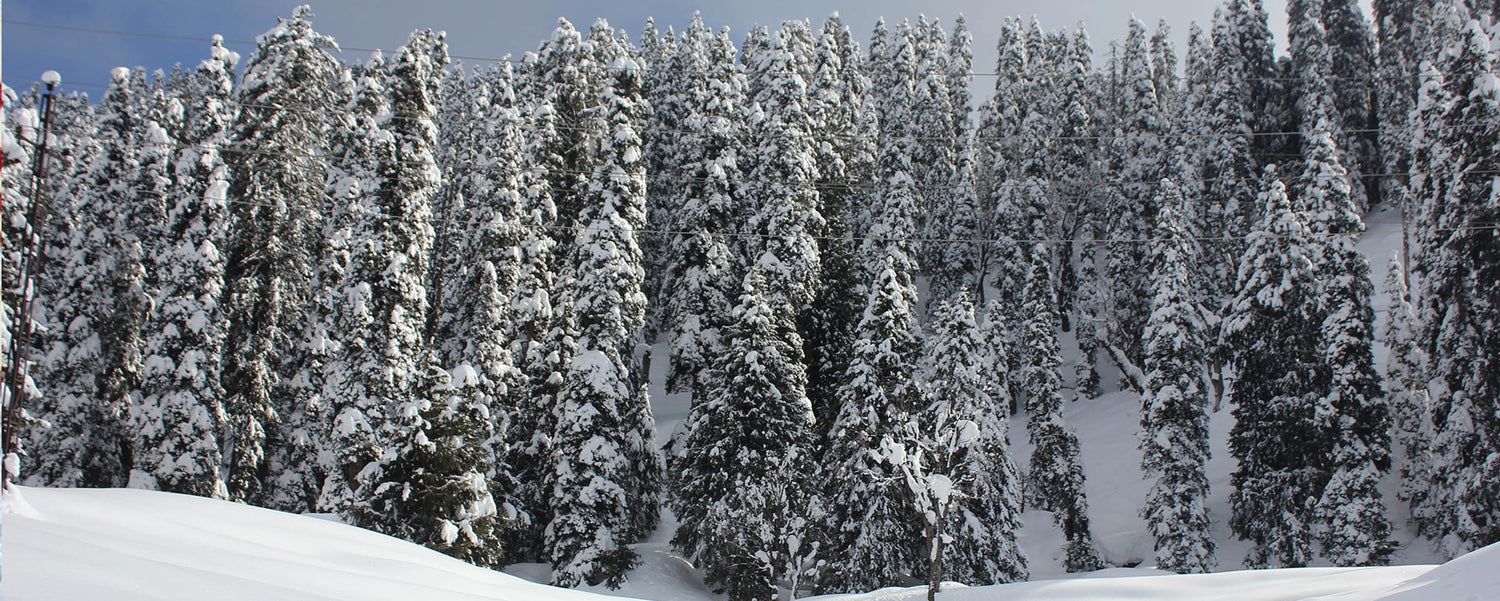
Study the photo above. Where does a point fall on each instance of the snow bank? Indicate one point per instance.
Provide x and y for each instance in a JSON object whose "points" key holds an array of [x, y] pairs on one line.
{"points": [[132, 545]]}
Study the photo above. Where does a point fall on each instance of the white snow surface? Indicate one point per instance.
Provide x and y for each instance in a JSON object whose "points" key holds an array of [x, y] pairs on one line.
{"points": [[133, 545], [130, 545]]}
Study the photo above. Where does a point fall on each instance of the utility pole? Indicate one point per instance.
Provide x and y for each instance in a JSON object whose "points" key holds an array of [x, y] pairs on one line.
{"points": [[30, 266]]}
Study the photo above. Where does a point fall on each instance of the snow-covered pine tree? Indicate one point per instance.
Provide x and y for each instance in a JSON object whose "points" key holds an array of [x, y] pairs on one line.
{"points": [[1406, 388], [330, 437], [840, 103], [1271, 335], [871, 533], [1174, 419], [1252, 48], [1056, 470], [623, 106], [953, 265], [390, 379], [140, 230], [432, 485], [606, 475], [1164, 75], [1461, 312], [1230, 210], [483, 296], [982, 524], [873, 537], [178, 449], [276, 200], [1138, 154], [66, 346], [1350, 514], [119, 303], [672, 77], [470, 121], [784, 202], [540, 337], [699, 285], [745, 468], [1352, 46]]}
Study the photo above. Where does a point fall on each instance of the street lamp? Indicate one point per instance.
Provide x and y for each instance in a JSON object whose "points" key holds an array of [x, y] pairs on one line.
{"points": [[29, 267]]}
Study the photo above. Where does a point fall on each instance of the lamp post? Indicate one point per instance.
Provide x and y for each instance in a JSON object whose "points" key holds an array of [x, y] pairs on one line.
{"points": [[20, 340]]}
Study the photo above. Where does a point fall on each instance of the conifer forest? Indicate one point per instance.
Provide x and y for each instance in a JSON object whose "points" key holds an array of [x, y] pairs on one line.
{"points": [[426, 294]]}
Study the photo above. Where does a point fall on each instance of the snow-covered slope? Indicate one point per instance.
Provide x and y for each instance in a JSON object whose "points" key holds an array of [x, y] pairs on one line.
{"points": [[129, 545]]}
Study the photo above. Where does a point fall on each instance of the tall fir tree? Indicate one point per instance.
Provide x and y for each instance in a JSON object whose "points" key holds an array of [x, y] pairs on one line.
{"points": [[872, 532], [1352, 45], [1271, 335], [701, 265], [392, 374], [1056, 470], [1350, 514], [1406, 390], [1174, 420], [841, 103], [275, 195], [981, 527], [745, 468], [606, 474], [178, 449], [1461, 304], [873, 536], [1137, 154]]}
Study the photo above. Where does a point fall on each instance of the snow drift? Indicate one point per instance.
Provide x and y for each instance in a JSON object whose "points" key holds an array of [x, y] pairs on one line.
{"points": [[129, 545]]}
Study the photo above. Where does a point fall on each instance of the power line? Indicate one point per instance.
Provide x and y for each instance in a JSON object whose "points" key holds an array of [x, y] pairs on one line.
{"points": [[579, 229], [508, 59], [877, 137]]}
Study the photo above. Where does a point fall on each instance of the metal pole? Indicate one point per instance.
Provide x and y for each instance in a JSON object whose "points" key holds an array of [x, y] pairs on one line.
{"points": [[20, 340]]}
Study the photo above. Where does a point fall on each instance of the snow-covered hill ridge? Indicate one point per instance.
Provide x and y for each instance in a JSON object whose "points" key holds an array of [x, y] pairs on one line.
{"points": [[128, 545]]}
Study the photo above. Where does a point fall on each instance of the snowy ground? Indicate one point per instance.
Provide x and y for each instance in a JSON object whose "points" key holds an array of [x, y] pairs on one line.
{"points": [[130, 545], [73, 545]]}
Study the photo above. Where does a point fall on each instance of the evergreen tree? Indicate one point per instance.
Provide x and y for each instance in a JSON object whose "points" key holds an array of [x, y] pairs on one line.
{"points": [[1350, 514], [784, 214], [700, 263], [391, 373], [182, 399], [1230, 210], [1460, 310], [432, 488], [1407, 395], [1055, 468], [842, 106], [1138, 153], [745, 468], [108, 357], [673, 78], [275, 192], [1174, 419], [980, 529], [873, 535], [1271, 334], [606, 474], [871, 530], [66, 346], [1352, 46]]}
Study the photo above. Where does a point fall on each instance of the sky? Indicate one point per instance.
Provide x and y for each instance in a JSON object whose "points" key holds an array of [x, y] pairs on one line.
{"points": [[494, 28]]}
